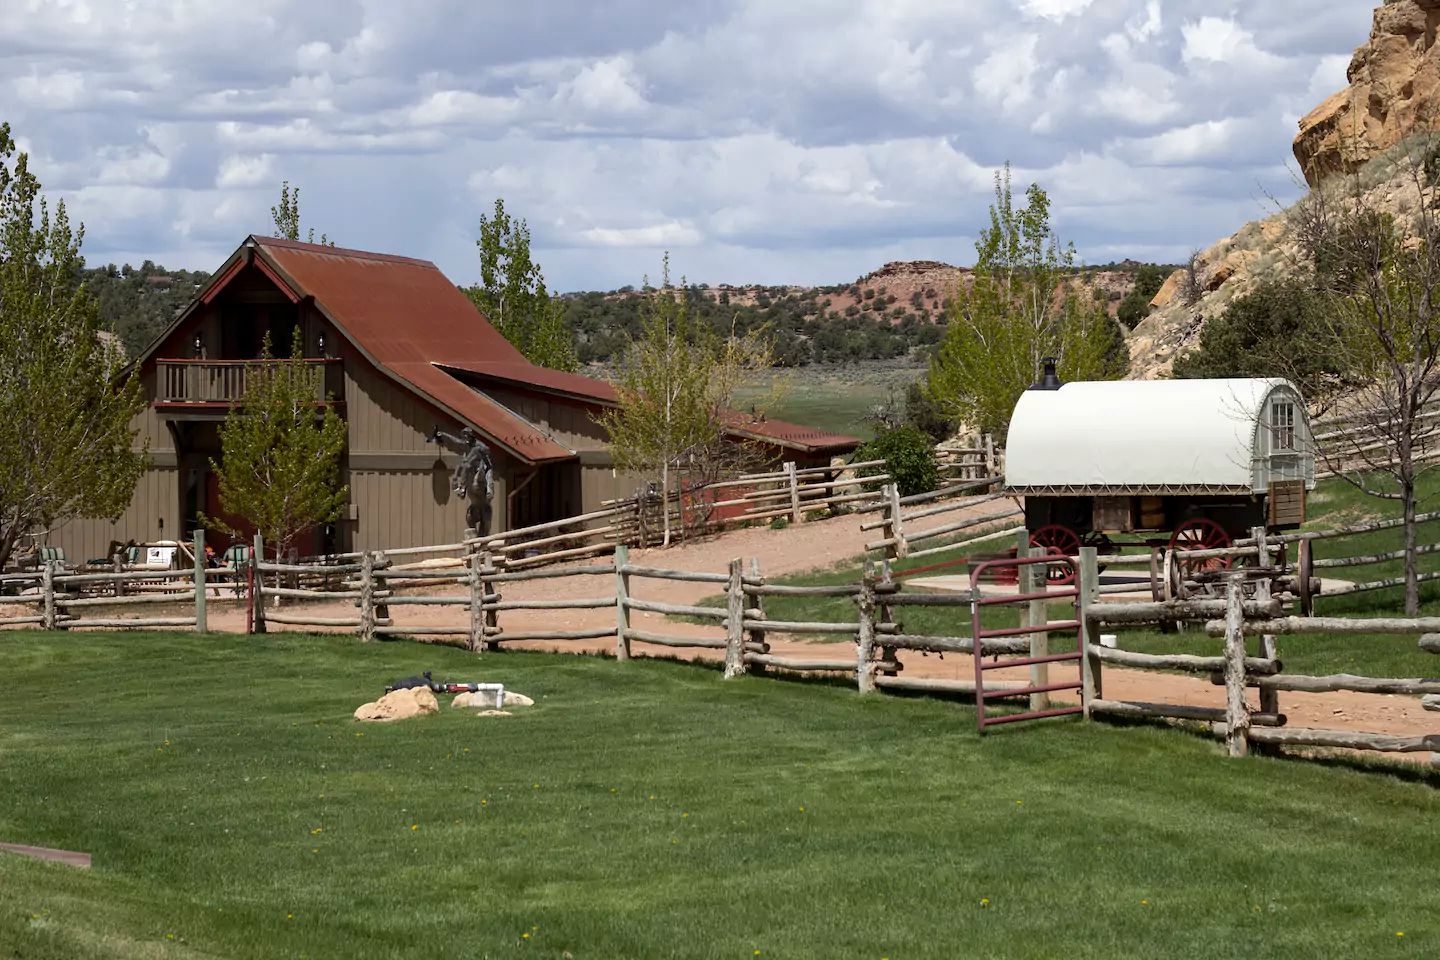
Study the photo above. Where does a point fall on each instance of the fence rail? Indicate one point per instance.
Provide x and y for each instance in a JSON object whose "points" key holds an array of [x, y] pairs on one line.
{"points": [[1237, 670], [64, 600]]}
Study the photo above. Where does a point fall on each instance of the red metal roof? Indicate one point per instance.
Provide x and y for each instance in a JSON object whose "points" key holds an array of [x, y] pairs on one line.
{"points": [[527, 374], [588, 389], [795, 435], [409, 320], [403, 315]]}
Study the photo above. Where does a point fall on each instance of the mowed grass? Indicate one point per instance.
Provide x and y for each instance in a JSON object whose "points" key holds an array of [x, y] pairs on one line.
{"points": [[651, 809]]}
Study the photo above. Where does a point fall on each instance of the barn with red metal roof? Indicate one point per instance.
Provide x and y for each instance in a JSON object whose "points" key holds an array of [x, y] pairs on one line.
{"points": [[403, 351]]}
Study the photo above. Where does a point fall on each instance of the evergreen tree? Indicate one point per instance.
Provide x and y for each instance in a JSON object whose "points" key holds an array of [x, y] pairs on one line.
{"points": [[512, 293], [280, 452], [66, 444]]}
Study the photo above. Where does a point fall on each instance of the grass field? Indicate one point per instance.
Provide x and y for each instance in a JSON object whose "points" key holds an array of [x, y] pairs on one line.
{"points": [[834, 399], [652, 810]]}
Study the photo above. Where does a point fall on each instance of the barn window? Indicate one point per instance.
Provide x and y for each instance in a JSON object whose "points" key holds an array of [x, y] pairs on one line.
{"points": [[1282, 425]]}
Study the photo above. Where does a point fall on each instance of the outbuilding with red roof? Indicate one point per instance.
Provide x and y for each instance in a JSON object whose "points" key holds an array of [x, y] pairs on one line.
{"points": [[403, 351]]}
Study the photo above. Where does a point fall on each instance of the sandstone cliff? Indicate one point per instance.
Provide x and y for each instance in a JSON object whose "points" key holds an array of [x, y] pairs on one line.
{"points": [[1394, 92], [1369, 128]]}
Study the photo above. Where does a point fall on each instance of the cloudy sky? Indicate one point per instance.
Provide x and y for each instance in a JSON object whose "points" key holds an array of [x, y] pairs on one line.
{"points": [[776, 141]]}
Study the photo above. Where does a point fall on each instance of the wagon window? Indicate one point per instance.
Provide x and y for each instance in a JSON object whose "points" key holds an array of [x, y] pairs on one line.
{"points": [[1282, 425]]}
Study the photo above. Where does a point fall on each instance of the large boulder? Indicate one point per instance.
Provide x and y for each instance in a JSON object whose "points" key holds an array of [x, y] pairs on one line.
{"points": [[399, 705], [482, 699], [1394, 92]]}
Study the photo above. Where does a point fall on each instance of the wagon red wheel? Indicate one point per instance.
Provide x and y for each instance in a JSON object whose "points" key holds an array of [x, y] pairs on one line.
{"points": [[1201, 533], [1060, 540]]}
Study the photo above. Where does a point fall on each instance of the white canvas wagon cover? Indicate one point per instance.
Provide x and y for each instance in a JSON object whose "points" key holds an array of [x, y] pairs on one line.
{"points": [[1145, 436]]}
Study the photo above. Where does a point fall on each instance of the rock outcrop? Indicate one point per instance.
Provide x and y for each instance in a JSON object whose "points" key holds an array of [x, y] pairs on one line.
{"points": [[484, 699], [1394, 92], [399, 705]]}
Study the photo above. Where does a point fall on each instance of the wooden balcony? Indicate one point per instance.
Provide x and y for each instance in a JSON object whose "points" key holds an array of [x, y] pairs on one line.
{"points": [[212, 383]]}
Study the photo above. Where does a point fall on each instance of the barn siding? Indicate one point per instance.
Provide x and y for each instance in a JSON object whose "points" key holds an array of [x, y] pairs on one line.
{"points": [[153, 514], [572, 424], [405, 508]]}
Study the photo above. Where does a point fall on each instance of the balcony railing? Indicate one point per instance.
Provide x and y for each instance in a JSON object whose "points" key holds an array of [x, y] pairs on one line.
{"points": [[223, 381]]}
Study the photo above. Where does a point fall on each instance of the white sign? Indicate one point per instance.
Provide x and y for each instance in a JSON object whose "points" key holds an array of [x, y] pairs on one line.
{"points": [[159, 556]]}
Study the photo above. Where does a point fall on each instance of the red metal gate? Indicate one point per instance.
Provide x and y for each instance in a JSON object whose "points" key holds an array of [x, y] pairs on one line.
{"points": [[981, 634]]}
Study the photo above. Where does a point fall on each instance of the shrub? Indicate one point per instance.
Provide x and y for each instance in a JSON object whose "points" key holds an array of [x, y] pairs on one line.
{"points": [[909, 457], [1275, 330], [1136, 305]]}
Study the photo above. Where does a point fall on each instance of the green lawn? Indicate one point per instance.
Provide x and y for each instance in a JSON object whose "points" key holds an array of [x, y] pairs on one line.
{"points": [[836, 399], [651, 810]]}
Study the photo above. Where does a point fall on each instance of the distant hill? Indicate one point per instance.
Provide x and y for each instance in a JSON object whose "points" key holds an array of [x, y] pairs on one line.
{"points": [[138, 303], [893, 312]]}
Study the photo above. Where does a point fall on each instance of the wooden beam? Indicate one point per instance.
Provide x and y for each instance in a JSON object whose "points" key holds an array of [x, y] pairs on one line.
{"points": [[1343, 625], [1175, 711], [1182, 661], [1297, 683], [1177, 610], [1348, 740]]}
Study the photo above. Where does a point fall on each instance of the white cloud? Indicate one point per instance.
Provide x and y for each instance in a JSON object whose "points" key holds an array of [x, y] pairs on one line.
{"points": [[1055, 9], [1145, 26], [768, 140], [1004, 78], [246, 170], [1198, 143], [461, 107], [605, 88], [1218, 40], [673, 234]]}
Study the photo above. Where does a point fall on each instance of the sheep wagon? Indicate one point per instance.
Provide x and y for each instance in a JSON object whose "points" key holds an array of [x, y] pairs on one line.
{"points": [[1187, 464]]}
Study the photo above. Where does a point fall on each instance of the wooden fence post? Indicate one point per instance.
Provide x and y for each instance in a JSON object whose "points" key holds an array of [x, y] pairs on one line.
{"points": [[367, 597], [865, 646], [117, 567], [796, 514], [488, 569], [380, 591], [1237, 714], [754, 601], [257, 583], [989, 468], [622, 597], [1092, 688], [735, 621], [200, 623], [1034, 579], [47, 586], [477, 602], [896, 527], [886, 614]]}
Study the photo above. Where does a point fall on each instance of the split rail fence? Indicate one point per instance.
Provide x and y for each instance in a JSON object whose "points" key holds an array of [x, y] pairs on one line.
{"points": [[904, 536], [1239, 618], [56, 598]]}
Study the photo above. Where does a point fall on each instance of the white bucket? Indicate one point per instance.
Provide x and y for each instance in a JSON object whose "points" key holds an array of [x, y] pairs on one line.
{"points": [[1109, 639]]}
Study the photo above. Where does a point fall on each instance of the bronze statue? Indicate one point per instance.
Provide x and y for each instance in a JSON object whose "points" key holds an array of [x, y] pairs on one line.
{"points": [[474, 476]]}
